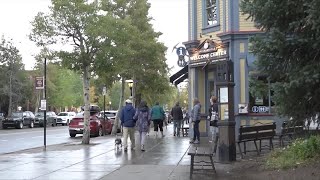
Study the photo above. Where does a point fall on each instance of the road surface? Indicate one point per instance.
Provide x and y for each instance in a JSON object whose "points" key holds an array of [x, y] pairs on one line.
{"points": [[12, 140]]}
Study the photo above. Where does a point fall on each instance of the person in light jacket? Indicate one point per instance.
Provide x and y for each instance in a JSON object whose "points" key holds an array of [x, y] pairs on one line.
{"points": [[195, 115], [143, 117]]}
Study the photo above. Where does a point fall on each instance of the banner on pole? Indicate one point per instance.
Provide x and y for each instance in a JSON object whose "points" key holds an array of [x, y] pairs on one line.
{"points": [[39, 82]]}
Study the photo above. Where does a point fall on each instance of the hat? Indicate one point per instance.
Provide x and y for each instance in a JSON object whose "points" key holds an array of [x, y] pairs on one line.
{"points": [[128, 101]]}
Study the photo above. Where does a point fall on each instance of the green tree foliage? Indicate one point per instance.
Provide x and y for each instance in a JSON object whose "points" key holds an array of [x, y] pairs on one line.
{"points": [[82, 25], [289, 51], [13, 81]]}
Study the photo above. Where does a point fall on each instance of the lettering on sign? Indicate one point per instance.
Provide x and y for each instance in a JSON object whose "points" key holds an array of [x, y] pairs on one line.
{"points": [[260, 109], [209, 55]]}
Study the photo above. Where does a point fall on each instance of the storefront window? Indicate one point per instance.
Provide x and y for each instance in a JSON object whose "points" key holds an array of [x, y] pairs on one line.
{"points": [[211, 12], [260, 95]]}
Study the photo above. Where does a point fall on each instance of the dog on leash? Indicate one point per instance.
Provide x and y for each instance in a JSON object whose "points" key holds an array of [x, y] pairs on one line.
{"points": [[118, 142]]}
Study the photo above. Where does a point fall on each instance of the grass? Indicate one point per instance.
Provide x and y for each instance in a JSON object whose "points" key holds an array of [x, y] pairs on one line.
{"points": [[299, 152]]}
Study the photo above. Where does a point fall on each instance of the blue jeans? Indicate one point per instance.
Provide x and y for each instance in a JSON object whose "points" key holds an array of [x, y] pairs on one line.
{"points": [[176, 127], [196, 131]]}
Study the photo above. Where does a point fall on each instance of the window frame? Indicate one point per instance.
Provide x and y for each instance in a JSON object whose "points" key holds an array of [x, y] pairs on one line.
{"points": [[210, 28]]}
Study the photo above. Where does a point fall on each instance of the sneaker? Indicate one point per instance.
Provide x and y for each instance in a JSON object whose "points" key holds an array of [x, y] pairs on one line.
{"points": [[125, 149], [142, 148], [196, 142]]}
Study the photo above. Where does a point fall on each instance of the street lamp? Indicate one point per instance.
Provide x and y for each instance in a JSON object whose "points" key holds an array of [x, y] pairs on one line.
{"points": [[104, 92], [109, 105], [130, 84]]}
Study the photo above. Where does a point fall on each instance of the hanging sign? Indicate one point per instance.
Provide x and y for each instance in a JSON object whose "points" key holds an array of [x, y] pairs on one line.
{"points": [[39, 82]]}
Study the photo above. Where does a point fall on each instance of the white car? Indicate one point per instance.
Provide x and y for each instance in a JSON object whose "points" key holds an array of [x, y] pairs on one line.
{"points": [[64, 118]]}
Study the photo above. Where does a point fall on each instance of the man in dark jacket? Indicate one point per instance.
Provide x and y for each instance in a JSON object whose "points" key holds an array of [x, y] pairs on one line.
{"points": [[177, 116], [128, 124]]}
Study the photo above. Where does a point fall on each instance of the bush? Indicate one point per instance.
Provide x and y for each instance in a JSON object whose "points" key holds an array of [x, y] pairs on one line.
{"points": [[299, 152]]}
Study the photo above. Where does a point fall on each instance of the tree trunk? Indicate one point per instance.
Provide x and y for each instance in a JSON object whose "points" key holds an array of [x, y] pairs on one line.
{"points": [[86, 91], [117, 120], [10, 94]]}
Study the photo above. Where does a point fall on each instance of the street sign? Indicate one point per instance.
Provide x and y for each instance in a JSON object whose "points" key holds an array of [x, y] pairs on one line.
{"points": [[43, 106], [104, 91], [39, 82], [181, 51]]}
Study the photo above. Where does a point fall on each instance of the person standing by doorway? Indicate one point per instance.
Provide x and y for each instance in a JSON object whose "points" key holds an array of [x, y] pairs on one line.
{"points": [[128, 124], [157, 117], [177, 116], [213, 118], [143, 122], [195, 115]]}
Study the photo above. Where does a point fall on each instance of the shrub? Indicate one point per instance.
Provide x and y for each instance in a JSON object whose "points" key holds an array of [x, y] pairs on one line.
{"points": [[299, 152]]}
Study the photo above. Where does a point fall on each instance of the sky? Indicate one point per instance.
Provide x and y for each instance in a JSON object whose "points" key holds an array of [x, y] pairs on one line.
{"points": [[170, 18]]}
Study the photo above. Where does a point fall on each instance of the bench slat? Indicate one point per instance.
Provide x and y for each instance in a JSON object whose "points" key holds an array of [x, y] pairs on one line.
{"points": [[257, 128], [259, 135], [192, 150]]}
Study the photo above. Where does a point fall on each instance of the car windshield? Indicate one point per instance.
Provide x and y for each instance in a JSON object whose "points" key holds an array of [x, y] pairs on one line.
{"points": [[17, 114], [39, 114], [63, 114]]}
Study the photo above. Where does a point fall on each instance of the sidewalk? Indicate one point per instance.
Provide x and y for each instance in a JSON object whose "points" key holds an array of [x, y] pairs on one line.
{"points": [[164, 158]]}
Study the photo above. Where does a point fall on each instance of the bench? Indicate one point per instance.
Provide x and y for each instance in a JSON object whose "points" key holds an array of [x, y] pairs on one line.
{"points": [[256, 133], [289, 129], [200, 151]]}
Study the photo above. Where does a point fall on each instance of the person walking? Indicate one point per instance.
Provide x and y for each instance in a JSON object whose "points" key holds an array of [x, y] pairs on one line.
{"points": [[157, 117], [195, 115], [128, 123], [177, 115], [143, 118]]}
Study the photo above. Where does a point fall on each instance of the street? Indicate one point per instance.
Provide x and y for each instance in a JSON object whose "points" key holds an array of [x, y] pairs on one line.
{"points": [[12, 140]]}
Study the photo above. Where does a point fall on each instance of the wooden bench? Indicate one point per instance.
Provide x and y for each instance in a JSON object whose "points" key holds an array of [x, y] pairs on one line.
{"points": [[256, 133], [289, 129], [200, 151]]}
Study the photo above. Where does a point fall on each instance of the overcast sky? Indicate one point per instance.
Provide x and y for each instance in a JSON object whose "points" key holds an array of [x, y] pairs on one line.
{"points": [[170, 18]]}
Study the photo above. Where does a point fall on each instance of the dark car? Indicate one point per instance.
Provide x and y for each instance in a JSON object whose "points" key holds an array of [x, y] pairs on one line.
{"points": [[19, 119], [51, 118], [98, 126], [1, 116]]}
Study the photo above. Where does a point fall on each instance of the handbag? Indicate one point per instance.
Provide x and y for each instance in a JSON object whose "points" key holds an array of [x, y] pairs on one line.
{"points": [[214, 119]]}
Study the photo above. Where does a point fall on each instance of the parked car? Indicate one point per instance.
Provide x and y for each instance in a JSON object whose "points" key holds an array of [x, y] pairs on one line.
{"points": [[64, 118], [51, 118], [98, 126], [19, 119], [111, 114], [1, 116]]}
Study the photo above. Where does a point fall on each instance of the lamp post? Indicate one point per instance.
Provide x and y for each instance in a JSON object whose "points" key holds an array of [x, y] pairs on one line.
{"points": [[130, 84], [109, 105], [104, 92]]}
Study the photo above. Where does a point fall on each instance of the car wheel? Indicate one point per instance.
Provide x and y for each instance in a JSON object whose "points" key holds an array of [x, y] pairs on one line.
{"points": [[20, 125], [4, 127], [100, 132], [72, 134], [31, 124]]}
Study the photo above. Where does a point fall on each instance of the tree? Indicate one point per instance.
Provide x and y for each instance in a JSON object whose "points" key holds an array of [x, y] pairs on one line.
{"points": [[11, 67], [289, 52], [139, 56], [82, 25]]}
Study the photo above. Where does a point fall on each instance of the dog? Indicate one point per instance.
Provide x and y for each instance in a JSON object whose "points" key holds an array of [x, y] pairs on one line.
{"points": [[118, 142]]}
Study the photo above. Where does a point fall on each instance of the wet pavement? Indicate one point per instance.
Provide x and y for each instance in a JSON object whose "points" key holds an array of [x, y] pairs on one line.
{"points": [[164, 158]]}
